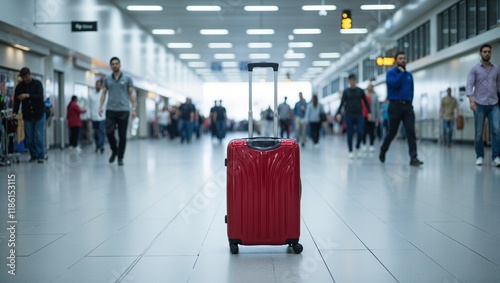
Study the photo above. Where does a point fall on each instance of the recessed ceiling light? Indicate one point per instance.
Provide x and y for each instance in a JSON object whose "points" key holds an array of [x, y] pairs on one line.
{"points": [[378, 7], [147, 8], [307, 31], [290, 64], [258, 56], [319, 7], [354, 31], [261, 8], [220, 45], [321, 63], [294, 55], [163, 31], [214, 31], [260, 31], [224, 56], [300, 44], [230, 64], [213, 8], [189, 56], [260, 45], [329, 55], [197, 64], [179, 45]]}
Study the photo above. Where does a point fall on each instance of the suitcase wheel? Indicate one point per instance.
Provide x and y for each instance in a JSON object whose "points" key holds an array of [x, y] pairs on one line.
{"points": [[233, 248], [297, 248]]}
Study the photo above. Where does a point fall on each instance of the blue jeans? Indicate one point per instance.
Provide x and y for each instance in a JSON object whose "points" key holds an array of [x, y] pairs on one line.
{"points": [[448, 126], [185, 130], [34, 132], [493, 114], [99, 133], [350, 121], [221, 129]]}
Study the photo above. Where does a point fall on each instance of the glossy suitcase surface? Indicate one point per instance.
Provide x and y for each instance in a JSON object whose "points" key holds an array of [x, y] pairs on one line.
{"points": [[263, 192]]}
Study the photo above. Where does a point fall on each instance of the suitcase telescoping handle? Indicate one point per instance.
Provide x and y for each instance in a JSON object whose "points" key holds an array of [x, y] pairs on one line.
{"points": [[251, 66]]}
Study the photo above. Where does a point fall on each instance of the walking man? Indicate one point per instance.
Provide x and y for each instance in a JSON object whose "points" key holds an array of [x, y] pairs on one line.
{"points": [[121, 103], [447, 112], [483, 85], [98, 120], [400, 96], [299, 111]]}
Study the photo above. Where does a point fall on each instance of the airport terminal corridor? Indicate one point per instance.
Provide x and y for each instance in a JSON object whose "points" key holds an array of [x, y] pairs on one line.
{"points": [[160, 217]]}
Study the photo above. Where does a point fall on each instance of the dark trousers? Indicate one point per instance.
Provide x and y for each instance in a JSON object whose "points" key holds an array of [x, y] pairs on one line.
{"points": [[315, 127], [117, 120], [285, 127], [74, 135], [369, 131], [351, 121], [399, 112]]}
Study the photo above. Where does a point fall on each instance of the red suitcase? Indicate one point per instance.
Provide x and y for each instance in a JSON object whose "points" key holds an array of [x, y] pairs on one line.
{"points": [[263, 186]]}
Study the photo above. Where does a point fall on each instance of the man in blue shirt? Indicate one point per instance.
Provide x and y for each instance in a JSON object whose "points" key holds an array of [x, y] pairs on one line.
{"points": [[400, 96], [299, 111], [483, 85]]}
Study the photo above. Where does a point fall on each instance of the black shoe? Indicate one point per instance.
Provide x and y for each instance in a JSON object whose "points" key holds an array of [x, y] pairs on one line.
{"points": [[381, 156], [120, 162], [32, 159], [112, 158], [102, 150], [40, 160], [415, 162]]}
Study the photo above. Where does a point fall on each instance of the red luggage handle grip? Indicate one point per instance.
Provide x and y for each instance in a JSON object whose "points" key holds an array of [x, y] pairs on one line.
{"points": [[263, 65]]}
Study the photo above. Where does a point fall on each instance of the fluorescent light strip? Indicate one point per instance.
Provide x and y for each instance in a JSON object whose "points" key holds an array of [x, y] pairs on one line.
{"points": [[230, 64], [300, 44], [329, 55], [259, 56], [378, 7], [260, 45], [307, 31], [260, 31], [321, 63], [354, 31], [144, 8], [22, 47], [224, 56], [294, 55], [214, 31], [220, 45], [290, 64], [319, 7], [194, 8], [189, 56], [179, 45], [163, 31], [203, 71], [261, 8], [197, 64]]}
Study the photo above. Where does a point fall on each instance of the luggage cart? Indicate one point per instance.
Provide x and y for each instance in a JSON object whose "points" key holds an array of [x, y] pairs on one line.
{"points": [[8, 141]]}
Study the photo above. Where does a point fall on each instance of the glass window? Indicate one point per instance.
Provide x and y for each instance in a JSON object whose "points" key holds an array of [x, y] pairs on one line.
{"points": [[461, 21], [427, 31], [325, 91], [445, 31], [335, 86], [453, 25], [471, 18], [493, 13], [482, 16]]}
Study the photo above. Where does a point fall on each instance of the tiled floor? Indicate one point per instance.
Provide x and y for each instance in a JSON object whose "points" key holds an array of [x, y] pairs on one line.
{"points": [[160, 218]]}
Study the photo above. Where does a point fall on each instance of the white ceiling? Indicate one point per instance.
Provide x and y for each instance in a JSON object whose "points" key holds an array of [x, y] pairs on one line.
{"points": [[236, 20]]}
